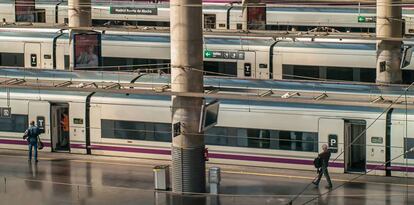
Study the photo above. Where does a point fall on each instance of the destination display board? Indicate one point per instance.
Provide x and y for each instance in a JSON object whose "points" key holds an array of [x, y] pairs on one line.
{"points": [[133, 11], [224, 55]]}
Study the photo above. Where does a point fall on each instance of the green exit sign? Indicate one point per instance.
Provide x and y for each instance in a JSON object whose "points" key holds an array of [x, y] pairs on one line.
{"points": [[208, 54], [367, 19], [361, 19]]}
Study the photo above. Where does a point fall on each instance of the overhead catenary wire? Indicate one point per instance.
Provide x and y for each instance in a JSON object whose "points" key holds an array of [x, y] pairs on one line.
{"points": [[353, 141]]}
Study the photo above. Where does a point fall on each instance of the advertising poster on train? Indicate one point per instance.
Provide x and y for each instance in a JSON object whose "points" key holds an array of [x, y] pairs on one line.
{"points": [[256, 18], [25, 10], [87, 50]]}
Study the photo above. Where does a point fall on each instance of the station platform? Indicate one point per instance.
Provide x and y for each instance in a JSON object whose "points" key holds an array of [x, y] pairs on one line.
{"points": [[62, 178]]}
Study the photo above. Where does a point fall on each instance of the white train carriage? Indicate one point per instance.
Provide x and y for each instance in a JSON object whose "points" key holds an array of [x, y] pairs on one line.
{"points": [[284, 135], [120, 52], [221, 16], [7, 11], [306, 19], [242, 57]]}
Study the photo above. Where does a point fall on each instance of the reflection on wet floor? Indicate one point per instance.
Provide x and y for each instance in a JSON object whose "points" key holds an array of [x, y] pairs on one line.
{"points": [[66, 181]]}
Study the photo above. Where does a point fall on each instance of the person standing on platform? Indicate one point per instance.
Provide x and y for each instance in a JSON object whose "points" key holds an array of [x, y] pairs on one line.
{"points": [[32, 134], [324, 156]]}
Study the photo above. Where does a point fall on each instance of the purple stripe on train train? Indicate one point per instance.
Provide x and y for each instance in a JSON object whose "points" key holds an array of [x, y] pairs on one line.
{"points": [[214, 155]]}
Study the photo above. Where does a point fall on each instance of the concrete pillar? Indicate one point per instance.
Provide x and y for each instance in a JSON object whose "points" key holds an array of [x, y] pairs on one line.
{"points": [[79, 13], [188, 165], [389, 25], [245, 15], [246, 6]]}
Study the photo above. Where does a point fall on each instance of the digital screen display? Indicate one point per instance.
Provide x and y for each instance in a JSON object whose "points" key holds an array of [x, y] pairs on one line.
{"points": [[87, 49]]}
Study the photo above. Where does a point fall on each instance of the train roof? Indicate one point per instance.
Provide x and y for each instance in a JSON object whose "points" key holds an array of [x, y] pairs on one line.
{"points": [[317, 86], [207, 39], [28, 34], [327, 45], [219, 82], [147, 38], [248, 104], [321, 10], [88, 76]]}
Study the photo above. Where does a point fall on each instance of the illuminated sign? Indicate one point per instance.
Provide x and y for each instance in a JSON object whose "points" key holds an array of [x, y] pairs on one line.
{"points": [[367, 19], [224, 55], [133, 11]]}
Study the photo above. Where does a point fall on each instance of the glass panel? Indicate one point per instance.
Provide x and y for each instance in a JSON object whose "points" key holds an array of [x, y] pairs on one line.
{"points": [[408, 144], [217, 68], [12, 59], [222, 136], [337, 73], [367, 74], [17, 123]]}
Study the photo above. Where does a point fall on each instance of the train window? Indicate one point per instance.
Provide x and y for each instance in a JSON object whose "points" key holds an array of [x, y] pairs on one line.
{"points": [[300, 72], [66, 59], [222, 136], [367, 74], [133, 130], [239, 26], [40, 15], [217, 68], [260, 138], [129, 64], [408, 76], [17, 123], [408, 144], [12, 59], [339, 73], [209, 21]]}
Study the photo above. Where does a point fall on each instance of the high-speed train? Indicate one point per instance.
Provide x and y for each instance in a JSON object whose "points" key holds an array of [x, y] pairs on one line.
{"points": [[243, 57], [282, 134], [216, 15]]}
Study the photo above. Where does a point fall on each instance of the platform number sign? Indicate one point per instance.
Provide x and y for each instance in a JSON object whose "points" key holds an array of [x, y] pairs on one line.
{"points": [[33, 60], [177, 129], [247, 69], [41, 123], [5, 112], [333, 143]]}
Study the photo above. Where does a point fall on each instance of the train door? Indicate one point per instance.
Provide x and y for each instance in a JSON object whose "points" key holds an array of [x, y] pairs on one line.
{"points": [[32, 55], [355, 146], [39, 111], [246, 65], [331, 132], [60, 127]]}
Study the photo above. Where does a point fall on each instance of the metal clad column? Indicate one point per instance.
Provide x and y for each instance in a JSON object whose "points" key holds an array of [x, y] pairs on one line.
{"points": [[79, 13], [389, 25], [188, 165]]}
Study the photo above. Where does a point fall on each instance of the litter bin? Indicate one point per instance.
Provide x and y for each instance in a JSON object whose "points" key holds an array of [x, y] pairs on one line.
{"points": [[161, 177], [214, 178]]}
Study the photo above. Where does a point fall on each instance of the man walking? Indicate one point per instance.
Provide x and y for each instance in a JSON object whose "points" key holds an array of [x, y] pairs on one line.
{"points": [[324, 156], [32, 135]]}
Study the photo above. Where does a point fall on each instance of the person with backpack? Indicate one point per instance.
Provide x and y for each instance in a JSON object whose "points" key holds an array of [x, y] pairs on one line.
{"points": [[32, 135], [322, 163]]}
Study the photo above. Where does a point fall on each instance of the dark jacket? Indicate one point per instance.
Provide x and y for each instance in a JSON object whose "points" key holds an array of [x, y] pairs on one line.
{"points": [[32, 134], [325, 156]]}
